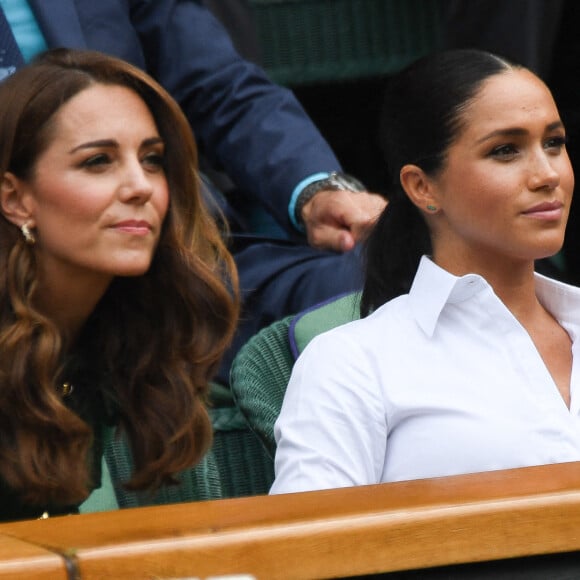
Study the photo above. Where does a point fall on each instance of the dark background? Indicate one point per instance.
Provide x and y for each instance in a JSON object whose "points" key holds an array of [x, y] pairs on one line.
{"points": [[544, 35]]}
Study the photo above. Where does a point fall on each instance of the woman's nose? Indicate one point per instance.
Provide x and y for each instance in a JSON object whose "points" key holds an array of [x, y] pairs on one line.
{"points": [[543, 174], [136, 184]]}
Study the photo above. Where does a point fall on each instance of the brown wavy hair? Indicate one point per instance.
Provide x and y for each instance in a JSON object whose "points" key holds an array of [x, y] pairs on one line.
{"points": [[159, 337]]}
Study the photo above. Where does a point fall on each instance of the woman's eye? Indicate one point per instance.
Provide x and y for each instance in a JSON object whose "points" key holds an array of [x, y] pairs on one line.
{"points": [[155, 161], [96, 161], [504, 152], [556, 143]]}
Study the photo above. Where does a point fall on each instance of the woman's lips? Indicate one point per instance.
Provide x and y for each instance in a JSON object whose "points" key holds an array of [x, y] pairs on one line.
{"points": [[136, 227], [548, 210]]}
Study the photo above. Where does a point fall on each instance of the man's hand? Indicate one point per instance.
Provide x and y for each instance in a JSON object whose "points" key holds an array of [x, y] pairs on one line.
{"points": [[338, 219]]}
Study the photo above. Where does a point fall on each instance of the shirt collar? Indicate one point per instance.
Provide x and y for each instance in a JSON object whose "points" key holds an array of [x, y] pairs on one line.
{"points": [[434, 287], [561, 300]]}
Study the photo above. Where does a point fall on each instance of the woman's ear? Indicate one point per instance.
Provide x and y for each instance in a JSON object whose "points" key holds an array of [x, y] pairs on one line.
{"points": [[419, 187], [14, 202]]}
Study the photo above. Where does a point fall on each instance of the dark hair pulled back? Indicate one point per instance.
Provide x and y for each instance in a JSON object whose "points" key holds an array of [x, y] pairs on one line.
{"points": [[421, 117]]}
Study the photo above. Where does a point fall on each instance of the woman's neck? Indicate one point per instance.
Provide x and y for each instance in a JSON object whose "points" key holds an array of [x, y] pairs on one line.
{"points": [[69, 303], [512, 281]]}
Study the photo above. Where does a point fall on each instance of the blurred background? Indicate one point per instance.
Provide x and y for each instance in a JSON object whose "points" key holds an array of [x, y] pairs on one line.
{"points": [[338, 55]]}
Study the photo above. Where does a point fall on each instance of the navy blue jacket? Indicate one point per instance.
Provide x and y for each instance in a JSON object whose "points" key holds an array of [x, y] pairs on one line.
{"points": [[253, 129]]}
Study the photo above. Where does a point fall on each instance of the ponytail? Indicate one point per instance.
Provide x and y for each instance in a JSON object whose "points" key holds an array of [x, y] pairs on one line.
{"points": [[393, 251], [421, 116]]}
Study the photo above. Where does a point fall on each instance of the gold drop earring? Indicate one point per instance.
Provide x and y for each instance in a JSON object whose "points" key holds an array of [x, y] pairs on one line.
{"points": [[28, 235]]}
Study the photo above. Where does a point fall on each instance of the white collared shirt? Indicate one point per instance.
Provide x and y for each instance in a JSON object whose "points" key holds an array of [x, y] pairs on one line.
{"points": [[441, 381]]}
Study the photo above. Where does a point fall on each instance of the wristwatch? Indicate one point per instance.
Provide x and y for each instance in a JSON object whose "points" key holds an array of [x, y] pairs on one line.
{"points": [[335, 181]]}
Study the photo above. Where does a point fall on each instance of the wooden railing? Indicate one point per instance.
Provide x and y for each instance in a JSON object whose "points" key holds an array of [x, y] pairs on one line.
{"points": [[422, 524]]}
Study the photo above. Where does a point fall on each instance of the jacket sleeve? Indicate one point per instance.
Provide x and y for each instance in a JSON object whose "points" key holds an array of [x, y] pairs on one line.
{"points": [[244, 123]]}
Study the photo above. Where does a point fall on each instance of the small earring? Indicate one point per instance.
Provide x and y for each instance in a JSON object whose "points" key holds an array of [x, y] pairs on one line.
{"points": [[432, 207], [28, 235]]}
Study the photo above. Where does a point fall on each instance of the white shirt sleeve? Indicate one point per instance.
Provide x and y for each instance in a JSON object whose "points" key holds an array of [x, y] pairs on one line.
{"points": [[332, 429]]}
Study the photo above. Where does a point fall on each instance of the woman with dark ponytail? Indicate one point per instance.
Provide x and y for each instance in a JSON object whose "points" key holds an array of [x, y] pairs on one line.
{"points": [[421, 115], [463, 361]]}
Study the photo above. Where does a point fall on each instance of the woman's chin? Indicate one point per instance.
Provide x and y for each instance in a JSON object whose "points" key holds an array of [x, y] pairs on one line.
{"points": [[132, 270]]}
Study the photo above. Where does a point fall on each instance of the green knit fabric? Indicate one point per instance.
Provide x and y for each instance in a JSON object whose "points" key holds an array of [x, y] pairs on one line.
{"points": [[201, 482], [312, 322], [262, 368], [259, 376], [103, 499], [237, 465]]}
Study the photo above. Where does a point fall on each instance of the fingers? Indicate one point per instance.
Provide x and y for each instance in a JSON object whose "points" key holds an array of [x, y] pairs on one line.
{"points": [[337, 220], [326, 237]]}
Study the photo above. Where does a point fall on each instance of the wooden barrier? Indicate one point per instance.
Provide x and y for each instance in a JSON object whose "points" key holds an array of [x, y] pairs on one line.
{"points": [[23, 560], [385, 528]]}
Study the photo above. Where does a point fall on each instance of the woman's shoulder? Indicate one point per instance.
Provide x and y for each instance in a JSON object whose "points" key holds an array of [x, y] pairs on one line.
{"points": [[382, 326]]}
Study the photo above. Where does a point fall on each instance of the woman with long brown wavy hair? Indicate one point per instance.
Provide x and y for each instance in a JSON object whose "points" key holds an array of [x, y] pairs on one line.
{"points": [[117, 295]]}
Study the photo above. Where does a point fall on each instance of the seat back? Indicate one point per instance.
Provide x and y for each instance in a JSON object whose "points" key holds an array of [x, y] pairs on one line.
{"points": [[322, 317], [244, 467], [259, 376], [262, 368]]}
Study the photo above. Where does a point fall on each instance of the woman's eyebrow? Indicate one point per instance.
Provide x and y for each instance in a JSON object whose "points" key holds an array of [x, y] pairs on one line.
{"points": [[152, 141], [112, 143], [93, 144], [517, 131]]}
